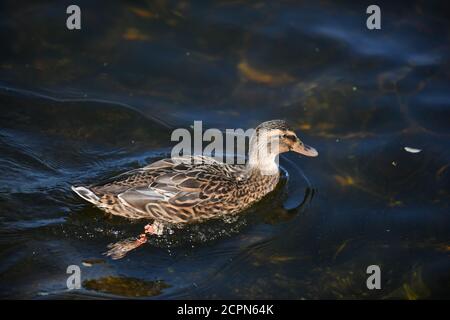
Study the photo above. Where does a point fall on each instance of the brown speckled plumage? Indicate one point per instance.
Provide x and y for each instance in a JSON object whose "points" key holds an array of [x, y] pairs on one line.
{"points": [[186, 192]]}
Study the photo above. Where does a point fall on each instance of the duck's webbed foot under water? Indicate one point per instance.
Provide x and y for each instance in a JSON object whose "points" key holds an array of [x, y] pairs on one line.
{"points": [[118, 250]]}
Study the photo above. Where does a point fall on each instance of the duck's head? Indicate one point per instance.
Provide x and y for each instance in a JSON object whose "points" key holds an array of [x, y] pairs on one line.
{"points": [[272, 138], [278, 132]]}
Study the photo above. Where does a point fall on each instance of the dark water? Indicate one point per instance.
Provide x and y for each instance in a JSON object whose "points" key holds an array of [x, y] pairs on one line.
{"points": [[80, 106]]}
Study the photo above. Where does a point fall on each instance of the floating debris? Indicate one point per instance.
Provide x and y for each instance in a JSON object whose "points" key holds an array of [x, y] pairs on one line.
{"points": [[412, 150], [91, 262]]}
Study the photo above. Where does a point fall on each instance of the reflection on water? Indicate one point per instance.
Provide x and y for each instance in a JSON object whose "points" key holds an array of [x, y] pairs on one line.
{"points": [[78, 107], [126, 287]]}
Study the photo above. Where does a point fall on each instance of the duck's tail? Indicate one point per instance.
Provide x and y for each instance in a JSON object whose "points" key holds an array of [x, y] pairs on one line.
{"points": [[86, 194]]}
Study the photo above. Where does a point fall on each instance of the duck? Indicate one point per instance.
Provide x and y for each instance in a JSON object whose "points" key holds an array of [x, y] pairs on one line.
{"points": [[192, 189]]}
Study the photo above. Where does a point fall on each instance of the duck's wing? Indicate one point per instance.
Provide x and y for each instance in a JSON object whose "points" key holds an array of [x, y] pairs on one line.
{"points": [[133, 178], [176, 190]]}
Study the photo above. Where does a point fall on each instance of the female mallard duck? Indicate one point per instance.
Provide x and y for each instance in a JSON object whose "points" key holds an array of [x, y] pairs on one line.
{"points": [[192, 189]]}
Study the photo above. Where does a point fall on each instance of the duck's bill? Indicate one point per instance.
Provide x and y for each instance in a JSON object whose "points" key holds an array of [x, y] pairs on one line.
{"points": [[306, 150]]}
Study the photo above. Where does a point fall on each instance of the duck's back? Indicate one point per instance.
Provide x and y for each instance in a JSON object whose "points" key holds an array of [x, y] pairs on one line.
{"points": [[181, 190]]}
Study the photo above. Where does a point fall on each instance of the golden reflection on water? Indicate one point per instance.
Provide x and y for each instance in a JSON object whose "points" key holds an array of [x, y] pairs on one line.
{"points": [[413, 288], [144, 13], [134, 34], [264, 77], [126, 287]]}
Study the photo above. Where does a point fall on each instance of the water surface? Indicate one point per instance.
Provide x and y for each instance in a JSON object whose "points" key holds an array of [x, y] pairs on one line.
{"points": [[80, 106]]}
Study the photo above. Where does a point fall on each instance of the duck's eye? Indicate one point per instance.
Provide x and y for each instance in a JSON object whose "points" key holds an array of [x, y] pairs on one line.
{"points": [[290, 137]]}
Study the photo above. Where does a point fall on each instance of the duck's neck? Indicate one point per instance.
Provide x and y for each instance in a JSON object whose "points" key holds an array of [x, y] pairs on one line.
{"points": [[263, 162]]}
